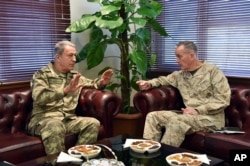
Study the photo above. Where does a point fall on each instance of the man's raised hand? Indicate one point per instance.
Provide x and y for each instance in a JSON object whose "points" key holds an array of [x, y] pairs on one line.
{"points": [[73, 85]]}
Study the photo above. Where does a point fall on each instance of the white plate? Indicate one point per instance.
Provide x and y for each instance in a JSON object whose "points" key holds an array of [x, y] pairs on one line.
{"points": [[142, 155], [89, 151], [187, 159], [145, 146]]}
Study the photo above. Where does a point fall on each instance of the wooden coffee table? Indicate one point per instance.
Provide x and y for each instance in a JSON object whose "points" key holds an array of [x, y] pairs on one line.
{"points": [[126, 155]]}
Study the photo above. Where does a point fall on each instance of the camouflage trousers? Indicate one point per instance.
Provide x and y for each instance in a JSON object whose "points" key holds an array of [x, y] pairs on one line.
{"points": [[52, 131], [176, 126]]}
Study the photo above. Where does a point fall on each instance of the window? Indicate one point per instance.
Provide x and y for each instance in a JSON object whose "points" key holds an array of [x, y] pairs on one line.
{"points": [[29, 30], [219, 28]]}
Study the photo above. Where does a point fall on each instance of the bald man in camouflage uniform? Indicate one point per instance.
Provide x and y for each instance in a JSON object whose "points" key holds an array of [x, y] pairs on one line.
{"points": [[55, 91], [205, 92]]}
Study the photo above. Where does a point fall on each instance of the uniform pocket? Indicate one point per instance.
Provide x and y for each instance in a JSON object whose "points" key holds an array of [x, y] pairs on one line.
{"points": [[55, 82]]}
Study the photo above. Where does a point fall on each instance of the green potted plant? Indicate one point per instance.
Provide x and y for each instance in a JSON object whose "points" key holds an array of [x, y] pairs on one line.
{"points": [[127, 24]]}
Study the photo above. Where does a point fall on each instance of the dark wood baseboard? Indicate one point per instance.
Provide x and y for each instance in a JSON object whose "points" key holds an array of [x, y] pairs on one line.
{"points": [[14, 85]]}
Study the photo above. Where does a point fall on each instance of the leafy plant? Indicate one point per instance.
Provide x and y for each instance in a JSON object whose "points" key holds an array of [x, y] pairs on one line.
{"points": [[127, 24]]}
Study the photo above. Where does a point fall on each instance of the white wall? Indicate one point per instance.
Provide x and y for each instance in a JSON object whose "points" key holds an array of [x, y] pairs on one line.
{"points": [[79, 7]]}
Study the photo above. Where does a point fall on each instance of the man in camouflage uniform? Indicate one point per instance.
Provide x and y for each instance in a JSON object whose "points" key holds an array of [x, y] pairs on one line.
{"points": [[205, 92], [55, 92]]}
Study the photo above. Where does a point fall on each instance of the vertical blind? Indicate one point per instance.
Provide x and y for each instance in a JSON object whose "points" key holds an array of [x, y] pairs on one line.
{"points": [[219, 28], [29, 30]]}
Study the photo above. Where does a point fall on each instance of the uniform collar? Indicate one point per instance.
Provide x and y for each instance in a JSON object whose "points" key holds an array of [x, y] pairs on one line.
{"points": [[56, 72]]}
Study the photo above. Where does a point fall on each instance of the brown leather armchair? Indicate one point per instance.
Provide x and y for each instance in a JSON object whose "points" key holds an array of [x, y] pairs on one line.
{"points": [[215, 144], [15, 107]]}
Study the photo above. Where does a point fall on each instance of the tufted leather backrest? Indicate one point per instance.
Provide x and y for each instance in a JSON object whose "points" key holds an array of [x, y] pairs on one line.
{"points": [[162, 98], [15, 108], [238, 112]]}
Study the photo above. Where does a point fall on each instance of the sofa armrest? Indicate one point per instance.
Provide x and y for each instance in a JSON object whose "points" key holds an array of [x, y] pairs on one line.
{"points": [[102, 105], [160, 98]]}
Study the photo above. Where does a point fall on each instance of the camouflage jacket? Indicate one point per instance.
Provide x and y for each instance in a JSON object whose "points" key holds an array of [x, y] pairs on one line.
{"points": [[47, 92], [207, 90]]}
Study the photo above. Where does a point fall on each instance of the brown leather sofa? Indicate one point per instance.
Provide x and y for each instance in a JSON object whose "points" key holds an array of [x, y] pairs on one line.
{"points": [[214, 144], [17, 146]]}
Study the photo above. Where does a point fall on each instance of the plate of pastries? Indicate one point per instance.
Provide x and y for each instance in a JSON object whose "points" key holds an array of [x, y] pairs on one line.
{"points": [[183, 159], [145, 146], [86, 151]]}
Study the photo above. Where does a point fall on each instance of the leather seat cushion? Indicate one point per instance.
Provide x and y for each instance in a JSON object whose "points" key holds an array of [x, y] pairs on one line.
{"points": [[224, 143], [17, 146]]}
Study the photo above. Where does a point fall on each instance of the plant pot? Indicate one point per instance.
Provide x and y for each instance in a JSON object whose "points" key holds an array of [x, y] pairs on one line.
{"points": [[128, 124]]}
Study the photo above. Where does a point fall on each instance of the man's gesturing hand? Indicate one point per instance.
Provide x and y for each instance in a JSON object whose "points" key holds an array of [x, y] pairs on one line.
{"points": [[189, 110], [143, 85], [106, 77], [73, 85]]}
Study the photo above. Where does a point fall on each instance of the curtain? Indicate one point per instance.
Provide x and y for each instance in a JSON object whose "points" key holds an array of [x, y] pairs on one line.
{"points": [[219, 28], [29, 30]]}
